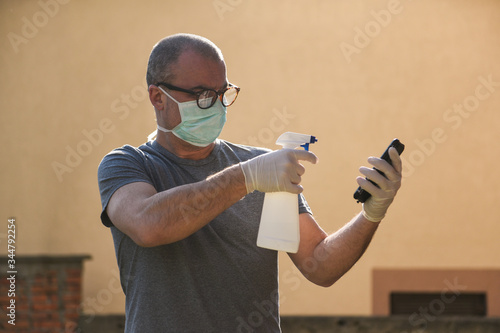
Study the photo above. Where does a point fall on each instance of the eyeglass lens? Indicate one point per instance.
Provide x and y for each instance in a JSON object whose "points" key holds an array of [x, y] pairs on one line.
{"points": [[208, 97]]}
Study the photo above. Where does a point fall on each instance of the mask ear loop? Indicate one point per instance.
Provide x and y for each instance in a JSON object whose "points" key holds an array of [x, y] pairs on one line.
{"points": [[154, 134]]}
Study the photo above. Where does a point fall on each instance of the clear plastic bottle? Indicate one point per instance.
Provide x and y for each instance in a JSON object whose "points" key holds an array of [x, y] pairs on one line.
{"points": [[279, 223]]}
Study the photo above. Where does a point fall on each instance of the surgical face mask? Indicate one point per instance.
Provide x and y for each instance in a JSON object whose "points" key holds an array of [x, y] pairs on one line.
{"points": [[199, 127]]}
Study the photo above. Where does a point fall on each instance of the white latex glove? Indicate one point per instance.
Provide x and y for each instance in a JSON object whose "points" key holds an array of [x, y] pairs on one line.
{"points": [[375, 208], [277, 171]]}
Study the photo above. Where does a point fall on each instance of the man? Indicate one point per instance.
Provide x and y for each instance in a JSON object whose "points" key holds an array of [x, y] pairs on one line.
{"points": [[184, 209]]}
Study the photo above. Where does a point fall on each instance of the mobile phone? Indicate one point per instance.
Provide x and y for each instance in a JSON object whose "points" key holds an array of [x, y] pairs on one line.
{"points": [[361, 195]]}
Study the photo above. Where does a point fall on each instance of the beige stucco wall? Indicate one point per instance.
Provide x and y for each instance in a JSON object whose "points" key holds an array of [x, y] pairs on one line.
{"points": [[353, 73]]}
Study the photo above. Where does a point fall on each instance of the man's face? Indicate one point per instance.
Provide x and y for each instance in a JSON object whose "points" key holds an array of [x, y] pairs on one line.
{"points": [[193, 72]]}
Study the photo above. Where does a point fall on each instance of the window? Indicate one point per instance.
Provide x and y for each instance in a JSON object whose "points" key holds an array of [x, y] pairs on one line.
{"points": [[474, 292], [465, 304]]}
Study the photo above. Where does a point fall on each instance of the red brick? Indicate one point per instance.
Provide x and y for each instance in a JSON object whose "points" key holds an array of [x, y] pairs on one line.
{"points": [[43, 290], [39, 316], [22, 307], [71, 307], [40, 298], [21, 298], [47, 324], [74, 280], [22, 323], [72, 316], [72, 298], [73, 288], [73, 272], [45, 307]]}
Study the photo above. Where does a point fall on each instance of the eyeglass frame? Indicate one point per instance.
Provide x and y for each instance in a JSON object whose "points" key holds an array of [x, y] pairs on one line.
{"points": [[199, 93]]}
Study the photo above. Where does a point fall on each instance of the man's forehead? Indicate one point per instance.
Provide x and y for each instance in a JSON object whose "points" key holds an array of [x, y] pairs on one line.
{"points": [[197, 70]]}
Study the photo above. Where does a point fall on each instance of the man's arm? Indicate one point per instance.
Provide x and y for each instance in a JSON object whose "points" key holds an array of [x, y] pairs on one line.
{"points": [[324, 259], [151, 218]]}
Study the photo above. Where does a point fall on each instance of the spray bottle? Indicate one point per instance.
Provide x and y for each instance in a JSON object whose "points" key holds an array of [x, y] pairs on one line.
{"points": [[279, 222]]}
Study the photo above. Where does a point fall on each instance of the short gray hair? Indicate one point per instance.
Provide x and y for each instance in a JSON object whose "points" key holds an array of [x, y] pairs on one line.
{"points": [[166, 52]]}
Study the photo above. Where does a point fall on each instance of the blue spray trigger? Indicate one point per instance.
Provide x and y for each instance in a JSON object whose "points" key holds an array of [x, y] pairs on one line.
{"points": [[306, 145]]}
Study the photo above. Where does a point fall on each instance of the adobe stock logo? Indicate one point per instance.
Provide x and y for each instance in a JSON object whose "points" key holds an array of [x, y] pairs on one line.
{"points": [[277, 125], [372, 29], [30, 28], [223, 6], [454, 118], [121, 107]]}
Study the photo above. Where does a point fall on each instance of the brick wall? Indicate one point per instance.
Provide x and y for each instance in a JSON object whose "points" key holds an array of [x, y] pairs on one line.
{"points": [[43, 294]]}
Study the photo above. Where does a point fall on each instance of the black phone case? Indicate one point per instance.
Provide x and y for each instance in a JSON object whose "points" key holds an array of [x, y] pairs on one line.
{"points": [[361, 195]]}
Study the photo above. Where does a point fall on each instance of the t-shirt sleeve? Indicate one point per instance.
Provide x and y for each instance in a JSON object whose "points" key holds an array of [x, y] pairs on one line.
{"points": [[120, 167], [303, 206]]}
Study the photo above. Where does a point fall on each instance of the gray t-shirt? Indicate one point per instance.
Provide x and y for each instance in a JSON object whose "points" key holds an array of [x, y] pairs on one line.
{"points": [[217, 279]]}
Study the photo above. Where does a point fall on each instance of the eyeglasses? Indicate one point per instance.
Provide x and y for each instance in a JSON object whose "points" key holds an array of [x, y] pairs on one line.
{"points": [[207, 97]]}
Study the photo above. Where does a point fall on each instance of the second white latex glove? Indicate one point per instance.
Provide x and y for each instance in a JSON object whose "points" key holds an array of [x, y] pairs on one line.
{"points": [[375, 208]]}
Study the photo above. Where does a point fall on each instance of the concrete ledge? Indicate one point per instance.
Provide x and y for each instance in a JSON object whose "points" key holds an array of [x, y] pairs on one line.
{"points": [[296, 324], [313, 324], [101, 324]]}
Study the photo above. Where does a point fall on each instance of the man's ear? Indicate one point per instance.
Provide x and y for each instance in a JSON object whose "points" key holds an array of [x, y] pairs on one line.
{"points": [[155, 97]]}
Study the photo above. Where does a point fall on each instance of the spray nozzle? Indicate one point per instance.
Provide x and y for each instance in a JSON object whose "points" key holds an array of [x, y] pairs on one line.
{"points": [[306, 145], [294, 140]]}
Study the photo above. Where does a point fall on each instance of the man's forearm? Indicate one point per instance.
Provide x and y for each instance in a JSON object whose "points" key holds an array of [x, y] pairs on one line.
{"points": [[338, 252], [175, 214]]}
